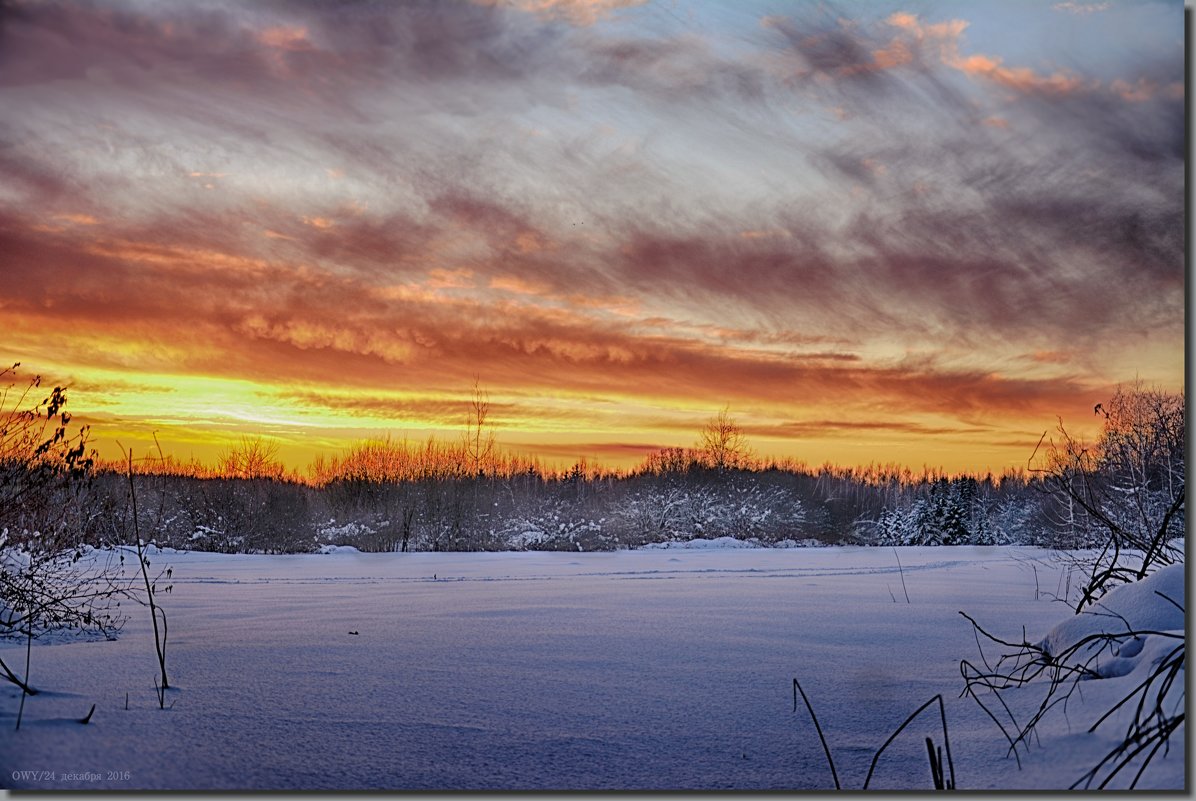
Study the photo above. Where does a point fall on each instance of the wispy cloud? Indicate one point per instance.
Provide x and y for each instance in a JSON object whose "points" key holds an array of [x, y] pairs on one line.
{"points": [[579, 12], [1081, 9]]}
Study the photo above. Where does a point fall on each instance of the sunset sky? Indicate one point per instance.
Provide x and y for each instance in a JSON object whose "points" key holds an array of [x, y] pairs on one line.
{"points": [[894, 232]]}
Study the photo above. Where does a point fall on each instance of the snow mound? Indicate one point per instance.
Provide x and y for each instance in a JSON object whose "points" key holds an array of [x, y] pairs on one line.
{"points": [[337, 549], [1152, 606], [703, 544], [1140, 606]]}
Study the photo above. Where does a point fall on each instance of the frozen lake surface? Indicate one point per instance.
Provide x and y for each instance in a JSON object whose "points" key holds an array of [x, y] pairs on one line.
{"points": [[652, 669]]}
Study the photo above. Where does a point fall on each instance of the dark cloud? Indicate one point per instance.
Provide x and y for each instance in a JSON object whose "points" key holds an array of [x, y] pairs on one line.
{"points": [[670, 69], [322, 48], [825, 45], [960, 229]]}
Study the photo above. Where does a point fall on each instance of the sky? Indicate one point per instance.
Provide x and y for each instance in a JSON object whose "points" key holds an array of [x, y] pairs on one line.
{"points": [[904, 232]]}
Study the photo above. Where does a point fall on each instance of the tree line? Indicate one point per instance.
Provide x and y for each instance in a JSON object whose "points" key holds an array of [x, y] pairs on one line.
{"points": [[468, 494]]}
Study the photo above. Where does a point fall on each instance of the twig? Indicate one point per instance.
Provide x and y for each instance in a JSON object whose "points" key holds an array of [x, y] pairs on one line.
{"points": [[1150, 727], [159, 643], [24, 694], [936, 766], [970, 690], [161, 693], [902, 574], [826, 749], [901, 728], [8, 675]]}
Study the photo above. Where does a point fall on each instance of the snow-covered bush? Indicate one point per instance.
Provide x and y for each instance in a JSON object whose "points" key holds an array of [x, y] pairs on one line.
{"points": [[558, 525], [48, 582], [745, 509], [657, 513]]}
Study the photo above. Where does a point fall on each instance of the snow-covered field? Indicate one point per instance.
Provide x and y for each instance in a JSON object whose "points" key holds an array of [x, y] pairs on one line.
{"points": [[652, 669]]}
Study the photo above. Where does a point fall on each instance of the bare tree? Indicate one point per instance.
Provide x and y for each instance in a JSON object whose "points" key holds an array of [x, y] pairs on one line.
{"points": [[479, 435], [252, 458], [1130, 484], [723, 444]]}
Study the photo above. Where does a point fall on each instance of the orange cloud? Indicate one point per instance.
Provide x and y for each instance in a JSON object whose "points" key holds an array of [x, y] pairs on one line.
{"points": [[178, 258], [896, 54], [347, 338], [1145, 89], [1052, 356], [405, 293], [764, 234], [903, 19], [530, 242], [578, 12], [837, 53], [78, 219], [947, 31], [1021, 79], [944, 38], [285, 38], [440, 278], [511, 283]]}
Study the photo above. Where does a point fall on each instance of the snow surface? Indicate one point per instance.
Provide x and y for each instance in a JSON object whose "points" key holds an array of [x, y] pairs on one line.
{"points": [[650, 669], [702, 544]]}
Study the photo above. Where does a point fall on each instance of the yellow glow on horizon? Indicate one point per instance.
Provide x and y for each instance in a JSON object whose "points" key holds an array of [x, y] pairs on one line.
{"points": [[200, 416]]}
